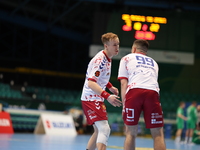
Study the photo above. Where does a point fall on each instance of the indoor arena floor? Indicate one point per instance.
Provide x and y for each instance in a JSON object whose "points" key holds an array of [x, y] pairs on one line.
{"points": [[20, 141]]}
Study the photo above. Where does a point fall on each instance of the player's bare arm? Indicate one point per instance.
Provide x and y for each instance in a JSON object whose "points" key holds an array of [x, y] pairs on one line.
{"points": [[124, 84], [95, 87], [183, 117], [112, 99], [114, 90]]}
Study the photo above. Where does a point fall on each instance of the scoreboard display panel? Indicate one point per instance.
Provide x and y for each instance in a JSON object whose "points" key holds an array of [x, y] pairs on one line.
{"points": [[164, 31], [141, 25]]}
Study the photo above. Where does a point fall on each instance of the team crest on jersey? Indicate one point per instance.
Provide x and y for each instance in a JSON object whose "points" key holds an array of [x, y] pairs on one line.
{"points": [[97, 73], [103, 106]]}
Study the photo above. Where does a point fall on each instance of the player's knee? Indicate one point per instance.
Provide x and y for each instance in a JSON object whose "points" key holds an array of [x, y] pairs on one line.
{"points": [[155, 132], [132, 133], [132, 130], [103, 132]]}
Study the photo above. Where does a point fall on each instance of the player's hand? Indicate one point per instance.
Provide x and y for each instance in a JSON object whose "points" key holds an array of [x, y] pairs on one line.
{"points": [[113, 100], [114, 90]]}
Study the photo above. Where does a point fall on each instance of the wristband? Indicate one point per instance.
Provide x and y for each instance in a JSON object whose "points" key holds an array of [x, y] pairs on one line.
{"points": [[109, 85], [105, 94]]}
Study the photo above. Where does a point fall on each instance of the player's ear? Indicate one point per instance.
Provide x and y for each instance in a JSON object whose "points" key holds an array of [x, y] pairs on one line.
{"points": [[133, 50], [105, 46]]}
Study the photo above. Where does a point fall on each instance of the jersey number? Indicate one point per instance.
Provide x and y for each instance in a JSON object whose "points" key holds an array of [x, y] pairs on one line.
{"points": [[144, 60]]}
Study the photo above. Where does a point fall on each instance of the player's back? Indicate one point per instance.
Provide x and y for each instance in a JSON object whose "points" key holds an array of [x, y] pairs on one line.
{"points": [[142, 71]]}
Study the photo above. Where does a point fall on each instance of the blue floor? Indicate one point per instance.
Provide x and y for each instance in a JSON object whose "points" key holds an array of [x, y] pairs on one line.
{"points": [[54, 142]]}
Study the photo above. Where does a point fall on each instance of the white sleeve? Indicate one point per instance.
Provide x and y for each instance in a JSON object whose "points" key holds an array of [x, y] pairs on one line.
{"points": [[94, 69], [123, 72]]}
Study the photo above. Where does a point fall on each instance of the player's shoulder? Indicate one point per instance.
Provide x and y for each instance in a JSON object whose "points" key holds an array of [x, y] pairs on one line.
{"points": [[99, 55], [98, 58], [127, 56]]}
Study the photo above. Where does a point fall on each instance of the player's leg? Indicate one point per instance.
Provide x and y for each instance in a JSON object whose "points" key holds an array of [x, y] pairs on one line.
{"points": [[180, 126], [131, 112], [158, 137], [153, 117], [178, 135], [193, 126], [103, 134], [101, 128], [190, 135], [187, 133], [92, 141], [186, 136], [131, 134]]}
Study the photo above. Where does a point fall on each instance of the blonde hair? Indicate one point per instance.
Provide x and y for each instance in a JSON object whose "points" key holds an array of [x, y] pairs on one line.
{"points": [[105, 38]]}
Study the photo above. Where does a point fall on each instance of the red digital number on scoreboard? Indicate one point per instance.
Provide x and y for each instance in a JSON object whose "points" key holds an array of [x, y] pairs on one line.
{"points": [[142, 30]]}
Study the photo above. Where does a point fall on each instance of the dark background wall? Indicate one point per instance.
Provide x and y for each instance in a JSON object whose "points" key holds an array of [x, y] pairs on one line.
{"points": [[46, 42]]}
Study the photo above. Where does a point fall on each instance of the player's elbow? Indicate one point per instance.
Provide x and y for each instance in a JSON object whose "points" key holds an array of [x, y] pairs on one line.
{"points": [[124, 82], [91, 84]]}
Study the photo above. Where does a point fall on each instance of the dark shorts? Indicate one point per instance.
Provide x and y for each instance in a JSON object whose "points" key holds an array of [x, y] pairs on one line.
{"points": [[94, 111], [138, 100]]}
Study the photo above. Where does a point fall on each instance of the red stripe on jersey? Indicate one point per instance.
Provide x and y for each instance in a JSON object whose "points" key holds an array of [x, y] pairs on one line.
{"points": [[122, 78], [107, 57], [92, 79]]}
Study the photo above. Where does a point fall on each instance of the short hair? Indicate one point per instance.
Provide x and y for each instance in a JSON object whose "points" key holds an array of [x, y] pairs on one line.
{"points": [[107, 37], [194, 102], [141, 44], [181, 103]]}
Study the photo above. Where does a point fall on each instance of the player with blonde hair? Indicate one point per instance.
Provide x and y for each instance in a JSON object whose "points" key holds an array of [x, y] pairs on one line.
{"points": [[94, 94]]}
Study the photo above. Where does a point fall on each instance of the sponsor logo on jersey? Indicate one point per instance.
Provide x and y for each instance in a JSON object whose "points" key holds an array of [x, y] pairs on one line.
{"points": [[92, 117], [154, 116], [97, 103], [89, 112], [154, 121], [98, 107], [102, 64], [130, 120]]}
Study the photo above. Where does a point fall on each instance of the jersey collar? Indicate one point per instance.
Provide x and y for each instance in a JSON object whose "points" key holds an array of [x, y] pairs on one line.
{"points": [[107, 57], [140, 53]]}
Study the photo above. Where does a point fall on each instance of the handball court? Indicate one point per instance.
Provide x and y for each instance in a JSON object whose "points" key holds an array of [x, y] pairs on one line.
{"points": [[27, 141]]}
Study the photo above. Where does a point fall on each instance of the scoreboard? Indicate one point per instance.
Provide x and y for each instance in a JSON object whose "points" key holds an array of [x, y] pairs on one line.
{"points": [[141, 25], [171, 31]]}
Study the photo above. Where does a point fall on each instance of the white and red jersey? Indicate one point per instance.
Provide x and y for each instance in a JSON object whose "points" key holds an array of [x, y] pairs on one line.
{"points": [[140, 70], [99, 70]]}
